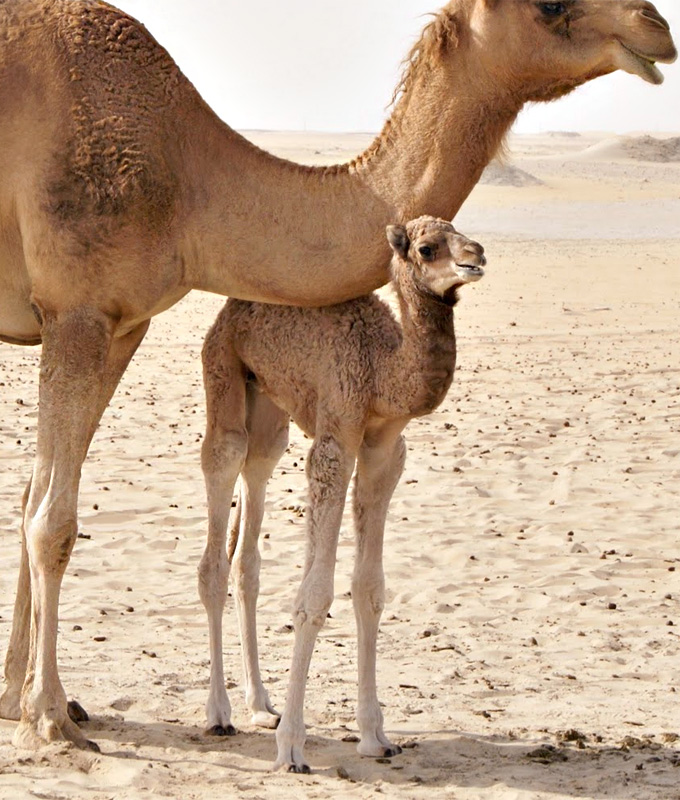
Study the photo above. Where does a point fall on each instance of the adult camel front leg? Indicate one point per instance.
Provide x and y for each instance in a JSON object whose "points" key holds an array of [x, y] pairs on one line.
{"points": [[120, 353], [379, 466], [80, 366], [17, 649], [329, 468], [267, 441]]}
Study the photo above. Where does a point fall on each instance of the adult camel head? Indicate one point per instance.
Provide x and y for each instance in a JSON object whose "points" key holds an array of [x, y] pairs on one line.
{"points": [[548, 48]]}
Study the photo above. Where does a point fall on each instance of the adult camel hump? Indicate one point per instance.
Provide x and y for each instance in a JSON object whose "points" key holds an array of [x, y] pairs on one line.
{"points": [[120, 191]]}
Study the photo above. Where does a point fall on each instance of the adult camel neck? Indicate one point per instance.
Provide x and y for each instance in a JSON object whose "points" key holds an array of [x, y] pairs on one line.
{"points": [[265, 229], [442, 135]]}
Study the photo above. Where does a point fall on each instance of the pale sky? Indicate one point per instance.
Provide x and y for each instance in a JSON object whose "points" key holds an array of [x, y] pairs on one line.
{"points": [[331, 65]]}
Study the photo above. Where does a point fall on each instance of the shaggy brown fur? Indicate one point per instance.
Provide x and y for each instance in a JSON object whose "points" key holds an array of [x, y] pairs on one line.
{"points": [[116, 152]]}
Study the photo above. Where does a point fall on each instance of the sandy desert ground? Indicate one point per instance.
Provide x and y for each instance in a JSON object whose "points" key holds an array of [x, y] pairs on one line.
{"points": [[530, 647]]}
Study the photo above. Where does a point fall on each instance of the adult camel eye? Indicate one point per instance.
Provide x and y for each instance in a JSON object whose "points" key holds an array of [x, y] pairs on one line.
{"points": [[426, 252], [552, 9]]}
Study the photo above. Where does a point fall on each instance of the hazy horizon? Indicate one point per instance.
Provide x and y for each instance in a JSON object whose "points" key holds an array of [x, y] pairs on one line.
{"points": [[332, 66]]}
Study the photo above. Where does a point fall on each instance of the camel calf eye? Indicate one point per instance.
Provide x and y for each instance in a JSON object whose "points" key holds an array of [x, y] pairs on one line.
{"points": [[552, 9], [426, 251]]}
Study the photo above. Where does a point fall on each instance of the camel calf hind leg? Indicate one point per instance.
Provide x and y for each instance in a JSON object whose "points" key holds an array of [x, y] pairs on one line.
{"points": [[267, 441], [222, 457], [378, 471]]}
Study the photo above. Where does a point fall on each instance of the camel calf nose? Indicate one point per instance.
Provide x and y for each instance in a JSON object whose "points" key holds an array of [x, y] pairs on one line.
{"points": [[475, 249]]}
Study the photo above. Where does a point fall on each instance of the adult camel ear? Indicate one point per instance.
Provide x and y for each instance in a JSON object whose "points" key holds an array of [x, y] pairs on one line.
{"points": [[398, 239]]}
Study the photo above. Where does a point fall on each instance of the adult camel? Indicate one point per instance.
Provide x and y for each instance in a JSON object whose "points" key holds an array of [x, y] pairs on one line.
{"points": [[121, 191]]}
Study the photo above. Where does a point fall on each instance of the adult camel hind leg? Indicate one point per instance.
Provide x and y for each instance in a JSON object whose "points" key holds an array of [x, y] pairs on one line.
{"points": [[222, 457], [80, 366], [267, 441], [379, 466], [119, 356]]}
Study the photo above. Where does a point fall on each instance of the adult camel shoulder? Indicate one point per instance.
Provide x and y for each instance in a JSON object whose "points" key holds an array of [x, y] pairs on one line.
{"points": [[121, 191]]}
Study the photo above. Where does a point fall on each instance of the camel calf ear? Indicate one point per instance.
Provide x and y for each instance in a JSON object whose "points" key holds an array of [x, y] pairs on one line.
{"points": [[398, 239]]}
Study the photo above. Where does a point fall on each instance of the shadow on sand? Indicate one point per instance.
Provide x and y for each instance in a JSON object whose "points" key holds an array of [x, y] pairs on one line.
{"points": [[569, 766]]}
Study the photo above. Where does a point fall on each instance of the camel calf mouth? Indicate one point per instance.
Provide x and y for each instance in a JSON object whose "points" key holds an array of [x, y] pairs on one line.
{"points": [[469, 272]]}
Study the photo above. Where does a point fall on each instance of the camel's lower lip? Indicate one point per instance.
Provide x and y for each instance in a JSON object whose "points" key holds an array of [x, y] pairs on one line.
{"points": [[471, 271], [644, 66], [470, 267]]}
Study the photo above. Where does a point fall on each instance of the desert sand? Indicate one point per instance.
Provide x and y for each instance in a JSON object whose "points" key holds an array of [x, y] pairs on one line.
{"points": [[530, 647]]}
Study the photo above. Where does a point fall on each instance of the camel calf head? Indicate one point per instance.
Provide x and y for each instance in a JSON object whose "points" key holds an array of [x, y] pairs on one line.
{"points": [[434, 256]]}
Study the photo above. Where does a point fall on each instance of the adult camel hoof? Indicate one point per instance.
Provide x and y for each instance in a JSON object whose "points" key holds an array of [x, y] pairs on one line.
{"points": [[36, 734], [76, 712], [221, 730]]}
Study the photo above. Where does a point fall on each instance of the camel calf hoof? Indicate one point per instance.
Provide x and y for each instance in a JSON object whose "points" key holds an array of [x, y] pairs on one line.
{"points": [[221, 730], [76, 712], [93, 746], [263, 719], [298, 769], [378, 750]]}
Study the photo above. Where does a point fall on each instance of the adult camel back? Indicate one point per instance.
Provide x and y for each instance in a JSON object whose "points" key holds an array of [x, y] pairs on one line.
{"points": [[120, 191]]}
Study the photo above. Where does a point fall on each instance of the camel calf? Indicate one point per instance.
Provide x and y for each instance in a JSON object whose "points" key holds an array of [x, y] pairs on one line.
{"points": [[351, 376]]}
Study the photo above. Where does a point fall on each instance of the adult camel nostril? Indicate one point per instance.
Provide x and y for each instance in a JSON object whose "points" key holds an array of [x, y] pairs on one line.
{"points": [[648, 11]]}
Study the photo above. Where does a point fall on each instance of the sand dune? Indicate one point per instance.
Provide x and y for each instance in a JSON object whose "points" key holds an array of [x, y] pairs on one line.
{"points": [[637, 148], [501, 174], [530, 645]]}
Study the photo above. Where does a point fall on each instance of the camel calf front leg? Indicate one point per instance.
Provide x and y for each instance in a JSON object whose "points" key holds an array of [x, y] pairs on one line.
{"points": [[329, 469], [378, 470]]}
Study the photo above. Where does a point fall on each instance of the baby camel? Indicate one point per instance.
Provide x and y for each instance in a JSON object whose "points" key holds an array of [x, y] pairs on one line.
{"points": [[351, 377]]}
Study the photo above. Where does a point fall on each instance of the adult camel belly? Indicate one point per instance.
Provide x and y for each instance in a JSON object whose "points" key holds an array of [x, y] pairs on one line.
{"points": [[18, 322]]}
